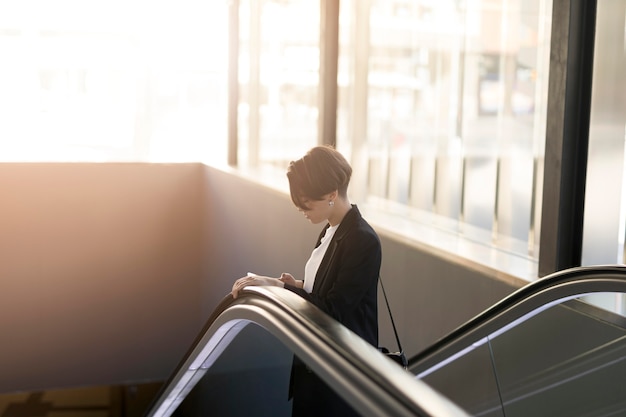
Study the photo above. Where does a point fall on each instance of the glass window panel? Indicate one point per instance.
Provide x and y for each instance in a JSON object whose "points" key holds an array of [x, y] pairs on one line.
{"points": [[454, 124], [106, 82], [605, 193], [605, 208], [279, 66], [248, 78]]}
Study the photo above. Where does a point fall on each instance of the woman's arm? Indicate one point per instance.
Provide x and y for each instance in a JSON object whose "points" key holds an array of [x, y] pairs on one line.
{"points": [[253, 279]]}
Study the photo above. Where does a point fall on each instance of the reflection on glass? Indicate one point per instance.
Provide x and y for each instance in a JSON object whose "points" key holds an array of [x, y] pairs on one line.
{"points": [[454, 121], [106, 82], [278, 77]]}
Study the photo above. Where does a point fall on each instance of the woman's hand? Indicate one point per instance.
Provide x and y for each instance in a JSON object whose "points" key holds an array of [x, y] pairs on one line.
{"points": [[257, 280], [290, 280], [287, 279]]}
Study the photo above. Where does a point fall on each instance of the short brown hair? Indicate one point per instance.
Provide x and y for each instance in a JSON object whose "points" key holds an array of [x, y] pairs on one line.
{"points": [[321, 171]]}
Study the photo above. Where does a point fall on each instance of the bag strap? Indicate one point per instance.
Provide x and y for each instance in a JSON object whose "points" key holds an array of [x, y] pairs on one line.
{"points": [[393, 324]]}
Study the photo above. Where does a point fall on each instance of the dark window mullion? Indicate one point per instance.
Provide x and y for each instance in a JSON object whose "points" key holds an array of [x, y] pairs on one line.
{"points": [[567, 134]]}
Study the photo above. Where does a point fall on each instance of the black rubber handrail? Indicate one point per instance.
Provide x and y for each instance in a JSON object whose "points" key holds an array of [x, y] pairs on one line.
{"points": [[602, 278]]}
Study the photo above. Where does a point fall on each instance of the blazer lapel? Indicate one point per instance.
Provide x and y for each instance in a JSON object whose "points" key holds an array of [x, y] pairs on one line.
{"points": [[319, 286]]}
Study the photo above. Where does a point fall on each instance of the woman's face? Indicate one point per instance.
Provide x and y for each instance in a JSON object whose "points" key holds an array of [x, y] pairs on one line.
{"points": [[317, 211]]}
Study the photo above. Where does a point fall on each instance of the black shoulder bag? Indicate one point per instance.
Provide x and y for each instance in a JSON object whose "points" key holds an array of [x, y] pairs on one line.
{"points": [[399, 357]]}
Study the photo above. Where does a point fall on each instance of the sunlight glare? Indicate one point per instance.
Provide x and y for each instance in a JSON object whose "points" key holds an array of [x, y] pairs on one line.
{"points": [[116, 80]]}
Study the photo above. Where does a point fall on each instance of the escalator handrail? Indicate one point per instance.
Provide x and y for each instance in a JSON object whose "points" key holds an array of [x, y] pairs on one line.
{"points": [[345, 354], [553, 287]]}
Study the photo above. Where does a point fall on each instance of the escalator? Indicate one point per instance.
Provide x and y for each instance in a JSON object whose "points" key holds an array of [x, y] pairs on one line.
{"points": [[240, 365], [551, 348], [556, 347]]}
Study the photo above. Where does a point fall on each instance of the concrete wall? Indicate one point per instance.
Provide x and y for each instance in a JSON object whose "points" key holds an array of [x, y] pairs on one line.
{"points": [[431, 295], [108, 271], [100, 270]]}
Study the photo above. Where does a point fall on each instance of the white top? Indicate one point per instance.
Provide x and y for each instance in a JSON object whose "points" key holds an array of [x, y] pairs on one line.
{"points": [[313, 264]]}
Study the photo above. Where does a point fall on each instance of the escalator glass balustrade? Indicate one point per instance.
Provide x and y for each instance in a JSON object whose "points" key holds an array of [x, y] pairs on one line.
{"points": [[550, 353]]}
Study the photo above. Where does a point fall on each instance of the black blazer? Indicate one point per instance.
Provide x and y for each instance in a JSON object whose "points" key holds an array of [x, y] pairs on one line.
{"points": [[346, 282]]}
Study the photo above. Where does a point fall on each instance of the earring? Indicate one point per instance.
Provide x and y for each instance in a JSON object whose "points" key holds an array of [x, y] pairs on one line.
{"points": [[331, 203]]}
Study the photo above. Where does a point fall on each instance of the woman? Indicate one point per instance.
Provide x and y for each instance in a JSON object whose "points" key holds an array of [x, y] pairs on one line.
{"points": [[341, 275]]}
